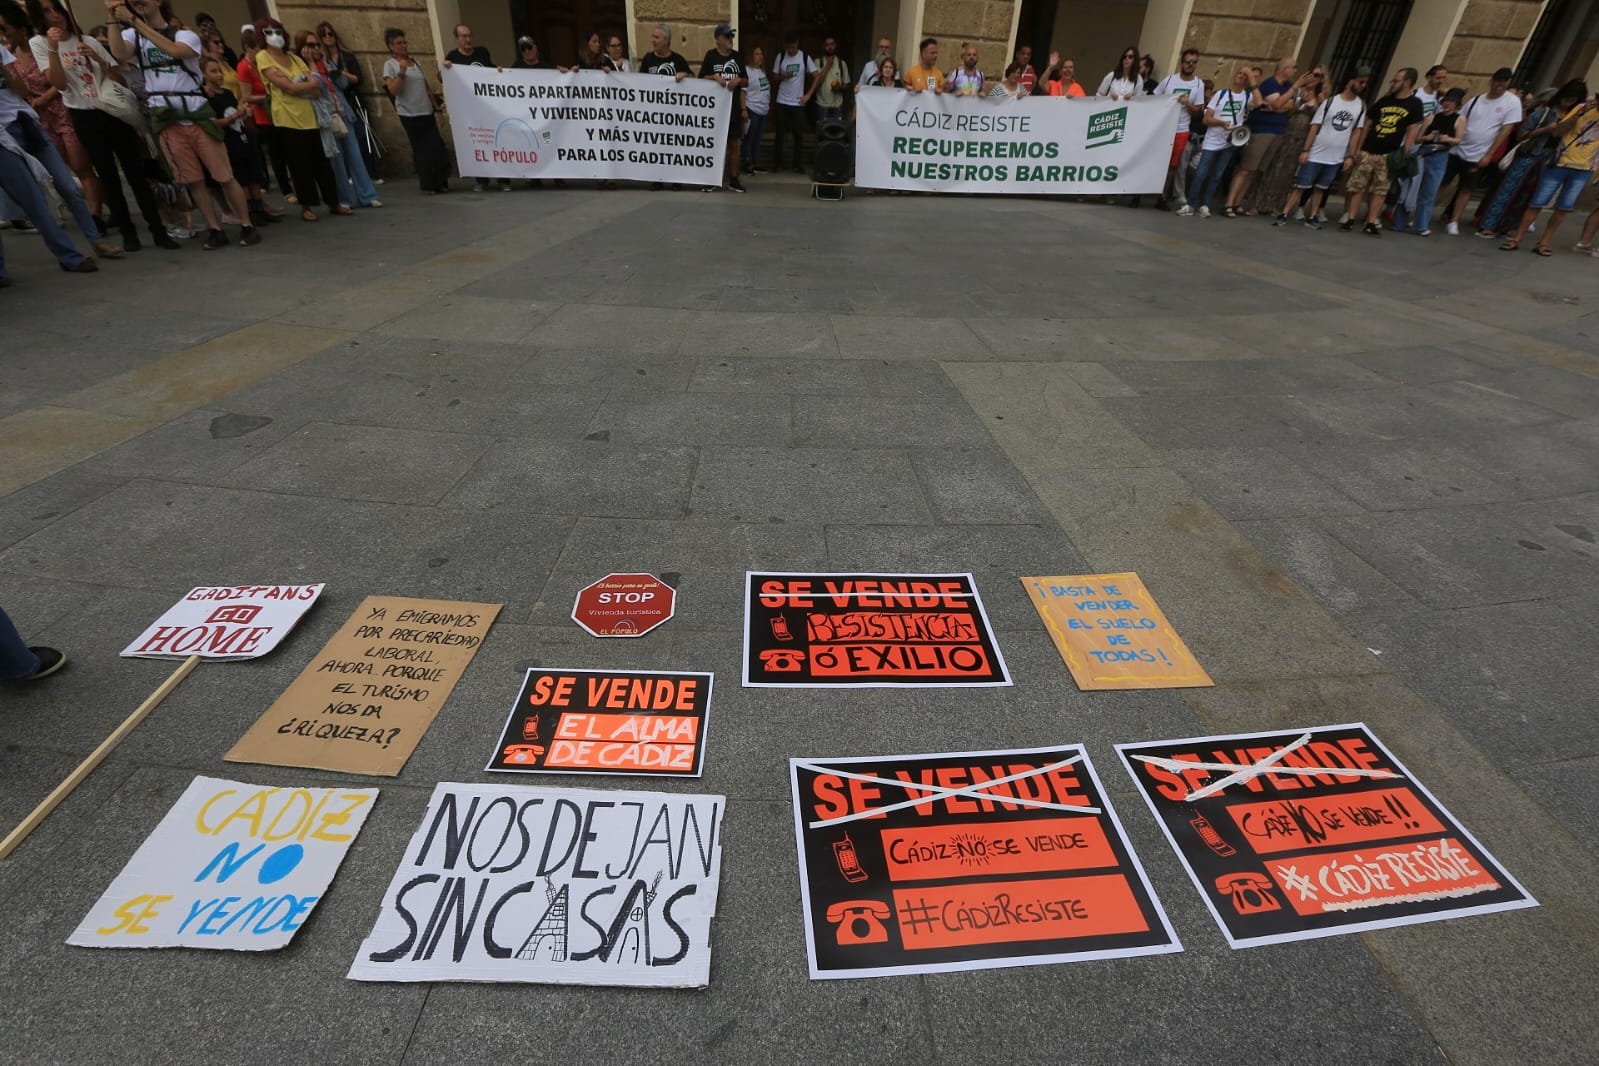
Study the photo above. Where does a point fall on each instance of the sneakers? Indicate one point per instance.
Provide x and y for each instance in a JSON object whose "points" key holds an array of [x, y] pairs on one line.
{"points": [[1313, 222], [1453, 229], [214, 240], [1371, 229], [82, 266], [22, 225], [1185, 211], [1161, 204], [1346, 225], [162, 239], [1204, 212], [736, 185], [50, 661], [1280, 220], [249, 236]]}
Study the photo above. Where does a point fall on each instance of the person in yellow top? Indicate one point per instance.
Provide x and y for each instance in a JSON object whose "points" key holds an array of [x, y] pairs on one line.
{"points": [[926, 75], [1572, 168], [290, 90]]}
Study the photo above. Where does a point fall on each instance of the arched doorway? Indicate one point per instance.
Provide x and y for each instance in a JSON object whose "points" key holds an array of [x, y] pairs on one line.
{"points": [[561, 26]]}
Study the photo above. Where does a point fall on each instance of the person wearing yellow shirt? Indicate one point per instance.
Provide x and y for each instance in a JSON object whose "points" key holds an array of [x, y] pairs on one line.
{"points": [[926, 75], [290, 89], [1568, 174]]}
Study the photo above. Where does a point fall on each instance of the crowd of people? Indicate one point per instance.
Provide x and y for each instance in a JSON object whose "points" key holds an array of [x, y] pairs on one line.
{"points": [[145, 104]]}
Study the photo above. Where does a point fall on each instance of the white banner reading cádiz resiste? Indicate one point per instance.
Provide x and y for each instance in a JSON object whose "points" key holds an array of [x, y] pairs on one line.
{"points": [[946, 143], [587, 124]]}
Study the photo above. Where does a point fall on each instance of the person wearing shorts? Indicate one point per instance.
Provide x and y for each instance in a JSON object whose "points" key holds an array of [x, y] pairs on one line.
{"points": [[1563, 182], [1392, 126], [1337, 128]]}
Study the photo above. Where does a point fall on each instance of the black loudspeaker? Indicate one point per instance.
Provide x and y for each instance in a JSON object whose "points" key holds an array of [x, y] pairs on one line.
{"points": [[835, 156]]}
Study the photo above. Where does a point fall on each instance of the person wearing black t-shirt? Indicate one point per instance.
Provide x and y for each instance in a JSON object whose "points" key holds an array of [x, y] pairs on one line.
{"points": [[463, 52], [723, 66], [527, 55], [662, 60], [1394, 122]]}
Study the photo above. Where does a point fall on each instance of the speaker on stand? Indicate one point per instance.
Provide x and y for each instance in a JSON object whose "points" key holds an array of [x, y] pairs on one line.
{"points": [[834, 164]]}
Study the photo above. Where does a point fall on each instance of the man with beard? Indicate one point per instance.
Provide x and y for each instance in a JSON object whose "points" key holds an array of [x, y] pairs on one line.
{"points": [[723, 66]]}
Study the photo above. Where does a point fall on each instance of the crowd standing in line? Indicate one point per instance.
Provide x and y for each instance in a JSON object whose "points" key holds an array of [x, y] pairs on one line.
{"points": [[144, 103]]}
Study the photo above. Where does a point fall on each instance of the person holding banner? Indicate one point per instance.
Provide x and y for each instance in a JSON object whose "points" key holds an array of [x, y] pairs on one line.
{"points": [[590, 57], [662, 60], [1060, 77], [19, 662], [527, 55], [1123, 83], [1190, 92], [723, 66], [1226, 112], [616, 58], [926, 75], [966, 79], [886, 75], [414, 103]]}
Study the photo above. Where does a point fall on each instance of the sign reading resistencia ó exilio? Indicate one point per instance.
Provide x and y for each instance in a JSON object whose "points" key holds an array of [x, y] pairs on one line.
{"points": [[947, 143], [587, 124]]}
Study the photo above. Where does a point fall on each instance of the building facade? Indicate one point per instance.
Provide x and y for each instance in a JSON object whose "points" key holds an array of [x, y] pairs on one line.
{"points": [[1545, 41]]}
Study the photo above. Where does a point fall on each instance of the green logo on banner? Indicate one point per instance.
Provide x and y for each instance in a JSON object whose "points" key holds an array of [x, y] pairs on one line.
{"points": [[1107, 127]]}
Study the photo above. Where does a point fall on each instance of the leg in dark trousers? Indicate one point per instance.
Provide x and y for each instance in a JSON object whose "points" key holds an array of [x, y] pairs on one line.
{"points": [[790, 122], [428, 153], [276, 153], [302, 150], [110, 141]]}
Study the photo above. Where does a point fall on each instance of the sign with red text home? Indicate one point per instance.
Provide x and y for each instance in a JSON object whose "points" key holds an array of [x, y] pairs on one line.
{"points": [[868, 630], [607, 722], [362, 705], [624, 605], [231, 866], [966, 860], [1313, 832], [228, 622]]}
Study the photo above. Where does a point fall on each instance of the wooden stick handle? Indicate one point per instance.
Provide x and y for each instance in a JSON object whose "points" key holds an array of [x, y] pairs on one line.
{"points": [[96, 757]]}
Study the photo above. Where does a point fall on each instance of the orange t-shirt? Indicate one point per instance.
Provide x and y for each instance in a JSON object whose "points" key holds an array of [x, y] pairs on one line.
{"points": [[1074, 90], [920, 77]]}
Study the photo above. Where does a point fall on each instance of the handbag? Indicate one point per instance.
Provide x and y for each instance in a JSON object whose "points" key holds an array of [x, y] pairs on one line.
{"points": [[120, 102], [1508, 158], [1401, 164]]}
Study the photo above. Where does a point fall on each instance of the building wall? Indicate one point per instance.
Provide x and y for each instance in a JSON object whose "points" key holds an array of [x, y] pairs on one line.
{"points": [[1094, 33], [1230, 33], [986, 23], [1490, 34], [693, 24]]}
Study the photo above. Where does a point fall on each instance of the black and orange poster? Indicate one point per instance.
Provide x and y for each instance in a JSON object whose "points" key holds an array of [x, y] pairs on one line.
{"points": [[607, 722], [966, 861], [1313, 832], [868, 631]]}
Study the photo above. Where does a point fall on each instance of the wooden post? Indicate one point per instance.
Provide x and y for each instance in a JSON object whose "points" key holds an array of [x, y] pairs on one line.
{"points": [[96, 757]]}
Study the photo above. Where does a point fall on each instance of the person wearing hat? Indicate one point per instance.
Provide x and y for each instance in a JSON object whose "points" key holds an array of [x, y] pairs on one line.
{"points": [[1535, 146], [527, 55], [1440, 133], [206, 24], [725, 67], [1488, 121]]}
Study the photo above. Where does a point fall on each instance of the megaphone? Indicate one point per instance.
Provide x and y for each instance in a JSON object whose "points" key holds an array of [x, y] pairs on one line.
{"points": [[1240, 136]]}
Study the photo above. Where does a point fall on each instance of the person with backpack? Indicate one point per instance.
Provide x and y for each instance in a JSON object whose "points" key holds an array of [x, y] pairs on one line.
{"points": [[1489, 121], [1567, 176], [1331, 145]]}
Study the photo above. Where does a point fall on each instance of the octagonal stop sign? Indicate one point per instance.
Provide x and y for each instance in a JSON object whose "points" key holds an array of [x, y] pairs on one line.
{"points": [[624, 605]]}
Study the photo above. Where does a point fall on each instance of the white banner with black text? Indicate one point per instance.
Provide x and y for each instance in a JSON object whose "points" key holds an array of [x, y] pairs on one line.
{"points": [[587, 124], [1038, 145]]}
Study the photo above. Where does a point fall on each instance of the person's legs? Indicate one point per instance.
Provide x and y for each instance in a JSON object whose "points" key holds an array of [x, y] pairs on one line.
{"points": [[130, 155], [299, 149], [328, 183], [1430, 179], [31, 136], [17, 660], [341, 181], [272, 140], [102, 157], [1254, 157], [177, 144], [17, 180], [752, 142], [366, 193], [1590, 229], [438, 153]]}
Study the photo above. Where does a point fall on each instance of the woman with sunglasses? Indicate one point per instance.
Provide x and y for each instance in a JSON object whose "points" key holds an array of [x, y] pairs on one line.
{"points": [[1276, 179], [616, 56], [348, 81], [1123, 83]]}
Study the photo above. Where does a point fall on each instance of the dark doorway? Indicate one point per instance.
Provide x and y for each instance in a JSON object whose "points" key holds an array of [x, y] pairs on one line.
{"points": [[561, 26], [1367, 37], [1036, 27], [766, 22]]}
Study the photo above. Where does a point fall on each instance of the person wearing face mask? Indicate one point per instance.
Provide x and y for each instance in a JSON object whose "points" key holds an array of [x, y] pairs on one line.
{"points": [[293, 88], [180, 112]]}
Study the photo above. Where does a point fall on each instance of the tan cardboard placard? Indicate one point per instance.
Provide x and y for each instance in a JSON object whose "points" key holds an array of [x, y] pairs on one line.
{"points": [[364, 702], [1112, 634]]}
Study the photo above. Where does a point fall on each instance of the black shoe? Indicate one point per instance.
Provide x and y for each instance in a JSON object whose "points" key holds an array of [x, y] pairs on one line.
{"points": [[5, 282], [214, 240], [248, 235], [657, 186], [1371, 229], [163, 239], [22, 225], [736, 185], [86, 266], [1345, 227], [131, 242], [50, 661], [1161, 204]]}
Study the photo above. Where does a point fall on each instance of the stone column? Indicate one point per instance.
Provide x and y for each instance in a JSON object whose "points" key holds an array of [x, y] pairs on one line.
{"points": [[1491, 34], [989, 24], [1234, 33]]}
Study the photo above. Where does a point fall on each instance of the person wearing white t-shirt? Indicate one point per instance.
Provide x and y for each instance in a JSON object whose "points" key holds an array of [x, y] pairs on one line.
{"points": [[1488, 121], [1123, 82], [758, 100], [1336, 130], [1226, 111], [885, 50], [793, 72], [1187, 86]]}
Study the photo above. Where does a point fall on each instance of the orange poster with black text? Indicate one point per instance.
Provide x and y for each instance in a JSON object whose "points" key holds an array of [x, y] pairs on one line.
{"points": [[1313, 832], [868, 631], [635, 722], [1112, 634], [966, 861]]}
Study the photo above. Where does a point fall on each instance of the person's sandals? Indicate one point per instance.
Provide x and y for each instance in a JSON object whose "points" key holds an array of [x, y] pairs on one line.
{"points": [[307, 215], [1541, 249], [344, 209], [1511, 245], [1230, 211], [107, 251]]}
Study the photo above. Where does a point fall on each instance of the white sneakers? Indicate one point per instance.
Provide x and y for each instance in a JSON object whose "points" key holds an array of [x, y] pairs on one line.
{"points": [[1453, 229], [1185, 211], [1204, 212]]}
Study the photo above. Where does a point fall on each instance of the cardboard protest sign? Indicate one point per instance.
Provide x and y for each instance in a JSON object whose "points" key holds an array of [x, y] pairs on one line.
{"points": [[227, 622], [1313, 832], [231, 866], [868, 631], [607, 722], [363, 704], [966, 860], [552, 886], [1112, 634]]}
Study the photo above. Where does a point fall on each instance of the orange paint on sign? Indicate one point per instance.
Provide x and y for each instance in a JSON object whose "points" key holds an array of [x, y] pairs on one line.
{"points": [[1112, 634], [1020, 846], [947, 916], [1398, 873]]}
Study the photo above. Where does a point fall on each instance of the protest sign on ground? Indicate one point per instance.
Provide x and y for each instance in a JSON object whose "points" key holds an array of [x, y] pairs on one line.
{"points": [[226, 622], [1112, 634]]}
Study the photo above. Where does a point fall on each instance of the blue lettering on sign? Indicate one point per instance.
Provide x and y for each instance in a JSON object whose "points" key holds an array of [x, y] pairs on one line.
{"points": [[263, 914], [230, 860], [280, 863]]}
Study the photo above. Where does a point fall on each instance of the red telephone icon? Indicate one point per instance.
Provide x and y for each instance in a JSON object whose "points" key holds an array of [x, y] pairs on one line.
{"points": [[781, 660], [859, 921], [523, 753], [1250, 892]]}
